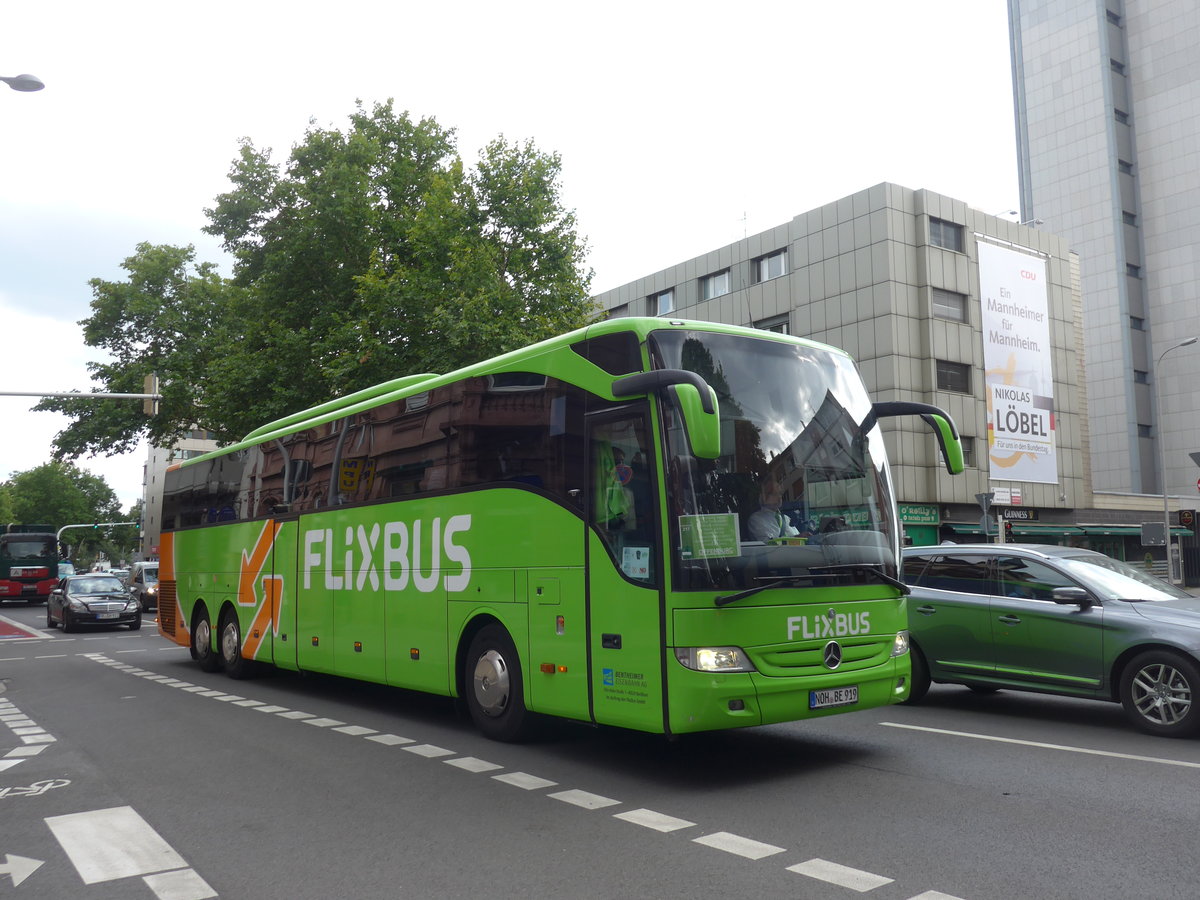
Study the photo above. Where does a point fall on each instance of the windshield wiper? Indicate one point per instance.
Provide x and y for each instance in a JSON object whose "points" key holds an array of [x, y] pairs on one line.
{"points": [[750, 592], [828, 572]]}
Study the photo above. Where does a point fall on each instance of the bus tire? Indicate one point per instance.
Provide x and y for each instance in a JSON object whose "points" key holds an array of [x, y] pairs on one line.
{"points": [[230, 642], [201, 648], [493, 686]]}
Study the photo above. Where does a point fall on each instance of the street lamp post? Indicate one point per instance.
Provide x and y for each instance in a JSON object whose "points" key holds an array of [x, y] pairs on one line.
{"points": [[23, 82], [1162, 449]]}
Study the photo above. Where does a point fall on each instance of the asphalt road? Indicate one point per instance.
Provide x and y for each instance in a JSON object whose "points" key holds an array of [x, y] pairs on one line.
{"points": [[125, 772]]}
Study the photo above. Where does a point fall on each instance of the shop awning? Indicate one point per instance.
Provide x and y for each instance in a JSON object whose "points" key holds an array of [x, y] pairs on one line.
{"points": [[1024, 528], [1176, 530]]}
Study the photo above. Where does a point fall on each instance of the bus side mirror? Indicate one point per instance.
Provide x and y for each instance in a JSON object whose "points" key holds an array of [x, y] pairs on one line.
{"points": [[703, 428], [696, 400], [939, 420]]}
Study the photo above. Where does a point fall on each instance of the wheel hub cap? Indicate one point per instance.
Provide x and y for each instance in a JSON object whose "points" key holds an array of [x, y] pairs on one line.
{"points": [[490, 683]]}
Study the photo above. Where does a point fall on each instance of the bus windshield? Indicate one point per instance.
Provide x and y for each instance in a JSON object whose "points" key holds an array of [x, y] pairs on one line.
{"points": [[799, 493]]}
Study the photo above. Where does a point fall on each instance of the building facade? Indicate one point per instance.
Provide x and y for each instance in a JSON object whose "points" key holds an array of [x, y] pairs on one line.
{"points": [[895, 277], [1107, 98]]}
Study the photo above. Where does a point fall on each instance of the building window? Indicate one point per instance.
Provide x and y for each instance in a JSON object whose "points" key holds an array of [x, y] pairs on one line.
{"points": [[1121, 116], [770, 266], [946, 234], [1137, 323], [949, 305], [1128, 218], [714, 285], [1112, 17], [777, 324], [952, 376], [1117, 66], [1125, 168], [663, 302], [1133, 271], [1140, 377], [1144, 431]]}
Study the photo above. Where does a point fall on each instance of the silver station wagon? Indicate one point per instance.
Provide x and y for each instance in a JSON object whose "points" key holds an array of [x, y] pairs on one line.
{"points": [[1057, 620]]}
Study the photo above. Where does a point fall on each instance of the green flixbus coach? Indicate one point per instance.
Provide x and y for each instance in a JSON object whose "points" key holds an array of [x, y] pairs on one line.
{"points": [[566, 530]]}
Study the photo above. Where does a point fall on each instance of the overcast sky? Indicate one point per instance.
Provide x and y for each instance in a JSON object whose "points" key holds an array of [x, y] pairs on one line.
{"points": [[681, 126]]}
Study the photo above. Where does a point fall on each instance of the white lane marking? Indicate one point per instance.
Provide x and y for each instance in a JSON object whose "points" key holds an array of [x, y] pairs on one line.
{"points": [[934, 895], [1043, 746], [355, 730], [323, 723], [296, 714], [38, 739], [843, 876], [472, 764], [648, 818], [249, 703], [584, 799], [182, 885], [390, 740], [195, 689], [26, 751], [271, 709], [106, 844], [6, 764], [524, 781], [430, 751], [740, 846], [210, 693], [56, 656], [35, 729], [226, 698]]}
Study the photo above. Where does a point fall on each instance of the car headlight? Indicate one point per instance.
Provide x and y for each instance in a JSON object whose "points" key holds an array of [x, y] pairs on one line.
{"points": [[900, 645], [77, 605], [133, 604], [152, 589], [714, 659]]}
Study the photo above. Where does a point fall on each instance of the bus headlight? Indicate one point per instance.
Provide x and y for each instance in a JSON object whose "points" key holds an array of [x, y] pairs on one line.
{"points": [[714, 659], [900, 645]]}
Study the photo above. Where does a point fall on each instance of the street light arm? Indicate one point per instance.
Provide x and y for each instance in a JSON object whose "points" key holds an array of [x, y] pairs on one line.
{"points": [[1162, 453], [25, 83]]}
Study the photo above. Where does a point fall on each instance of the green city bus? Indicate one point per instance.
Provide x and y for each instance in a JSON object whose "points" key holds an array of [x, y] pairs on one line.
{"points": [[566, 530]]}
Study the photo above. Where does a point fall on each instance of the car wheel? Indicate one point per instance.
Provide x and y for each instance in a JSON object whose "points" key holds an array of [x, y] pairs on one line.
{"points": [[236, 665], [68, 622], [920, 676], [201, 649], [50, 623], [493, 686], [1159, 692], [136, 623]]}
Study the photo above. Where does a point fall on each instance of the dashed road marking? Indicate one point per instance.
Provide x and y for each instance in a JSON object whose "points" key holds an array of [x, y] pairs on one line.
{"points": [[322, 723], [584, 799], [648, 818], [525, 781], [390, 740], [471, 764], [843, 876], [739, 846], [429, 751]]}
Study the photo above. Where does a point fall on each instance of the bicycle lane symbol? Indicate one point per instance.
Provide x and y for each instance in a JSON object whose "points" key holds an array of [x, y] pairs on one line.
{"points": [[33, 790]]}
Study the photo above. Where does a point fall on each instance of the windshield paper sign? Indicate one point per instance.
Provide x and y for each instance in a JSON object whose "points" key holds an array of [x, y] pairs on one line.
{"points": [[709, 536], [1017, 354]]}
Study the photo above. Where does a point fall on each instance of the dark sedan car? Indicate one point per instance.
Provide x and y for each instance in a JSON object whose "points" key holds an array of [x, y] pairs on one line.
{"points": [[93, 599], [1057, 620]]}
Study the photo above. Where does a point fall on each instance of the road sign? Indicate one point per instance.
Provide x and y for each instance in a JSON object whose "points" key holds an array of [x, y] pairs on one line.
{"points": [[984, 501], [1154, 534], [987, 524]]}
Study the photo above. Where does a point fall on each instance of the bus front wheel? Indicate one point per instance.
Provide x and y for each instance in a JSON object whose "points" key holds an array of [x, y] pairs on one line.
{"points": [[493, 686], [201, 649]]}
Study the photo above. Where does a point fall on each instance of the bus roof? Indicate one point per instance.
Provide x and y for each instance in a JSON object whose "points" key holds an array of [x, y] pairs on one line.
{"points": [[553, 356]]}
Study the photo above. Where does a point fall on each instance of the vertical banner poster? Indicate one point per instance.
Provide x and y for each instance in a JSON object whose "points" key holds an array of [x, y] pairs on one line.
{"points": [[1017, 360]]}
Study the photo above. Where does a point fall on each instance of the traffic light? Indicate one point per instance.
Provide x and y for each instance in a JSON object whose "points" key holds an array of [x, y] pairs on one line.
{"points": [[1008, 535]]}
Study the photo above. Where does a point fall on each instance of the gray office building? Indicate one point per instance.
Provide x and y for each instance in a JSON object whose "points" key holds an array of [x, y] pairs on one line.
{"points": [[1107, 96]]}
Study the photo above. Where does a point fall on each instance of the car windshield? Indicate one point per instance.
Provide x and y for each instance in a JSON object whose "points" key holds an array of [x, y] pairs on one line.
{"points": [[97, 584], [799, 491], [1116, 580], [150, 576]]}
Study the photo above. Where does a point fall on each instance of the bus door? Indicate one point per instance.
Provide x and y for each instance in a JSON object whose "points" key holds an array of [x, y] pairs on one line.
{"points": [[624, 554]]}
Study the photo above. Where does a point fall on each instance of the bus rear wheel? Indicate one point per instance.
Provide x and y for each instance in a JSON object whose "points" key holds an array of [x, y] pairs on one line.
{"points": [[236, 665], [493, 686], [201, 649]]}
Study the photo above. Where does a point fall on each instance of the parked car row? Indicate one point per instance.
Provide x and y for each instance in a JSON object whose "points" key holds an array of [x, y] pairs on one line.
{"points": [[1055, 620]]}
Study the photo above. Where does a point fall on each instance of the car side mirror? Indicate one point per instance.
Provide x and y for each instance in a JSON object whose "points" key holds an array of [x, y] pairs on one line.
{"points": [[1072, 595]]}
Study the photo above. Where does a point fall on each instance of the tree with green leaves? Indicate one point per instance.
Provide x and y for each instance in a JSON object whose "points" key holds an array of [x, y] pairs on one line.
{"points": [[373, 253], [58, 494]]}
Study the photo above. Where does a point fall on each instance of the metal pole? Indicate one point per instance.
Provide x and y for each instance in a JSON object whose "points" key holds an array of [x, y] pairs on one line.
{"points": [[1162, 448], [78, 394]]}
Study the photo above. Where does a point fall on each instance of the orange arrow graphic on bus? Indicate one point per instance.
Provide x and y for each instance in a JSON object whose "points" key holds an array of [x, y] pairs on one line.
{"points": [[267, 613]]}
